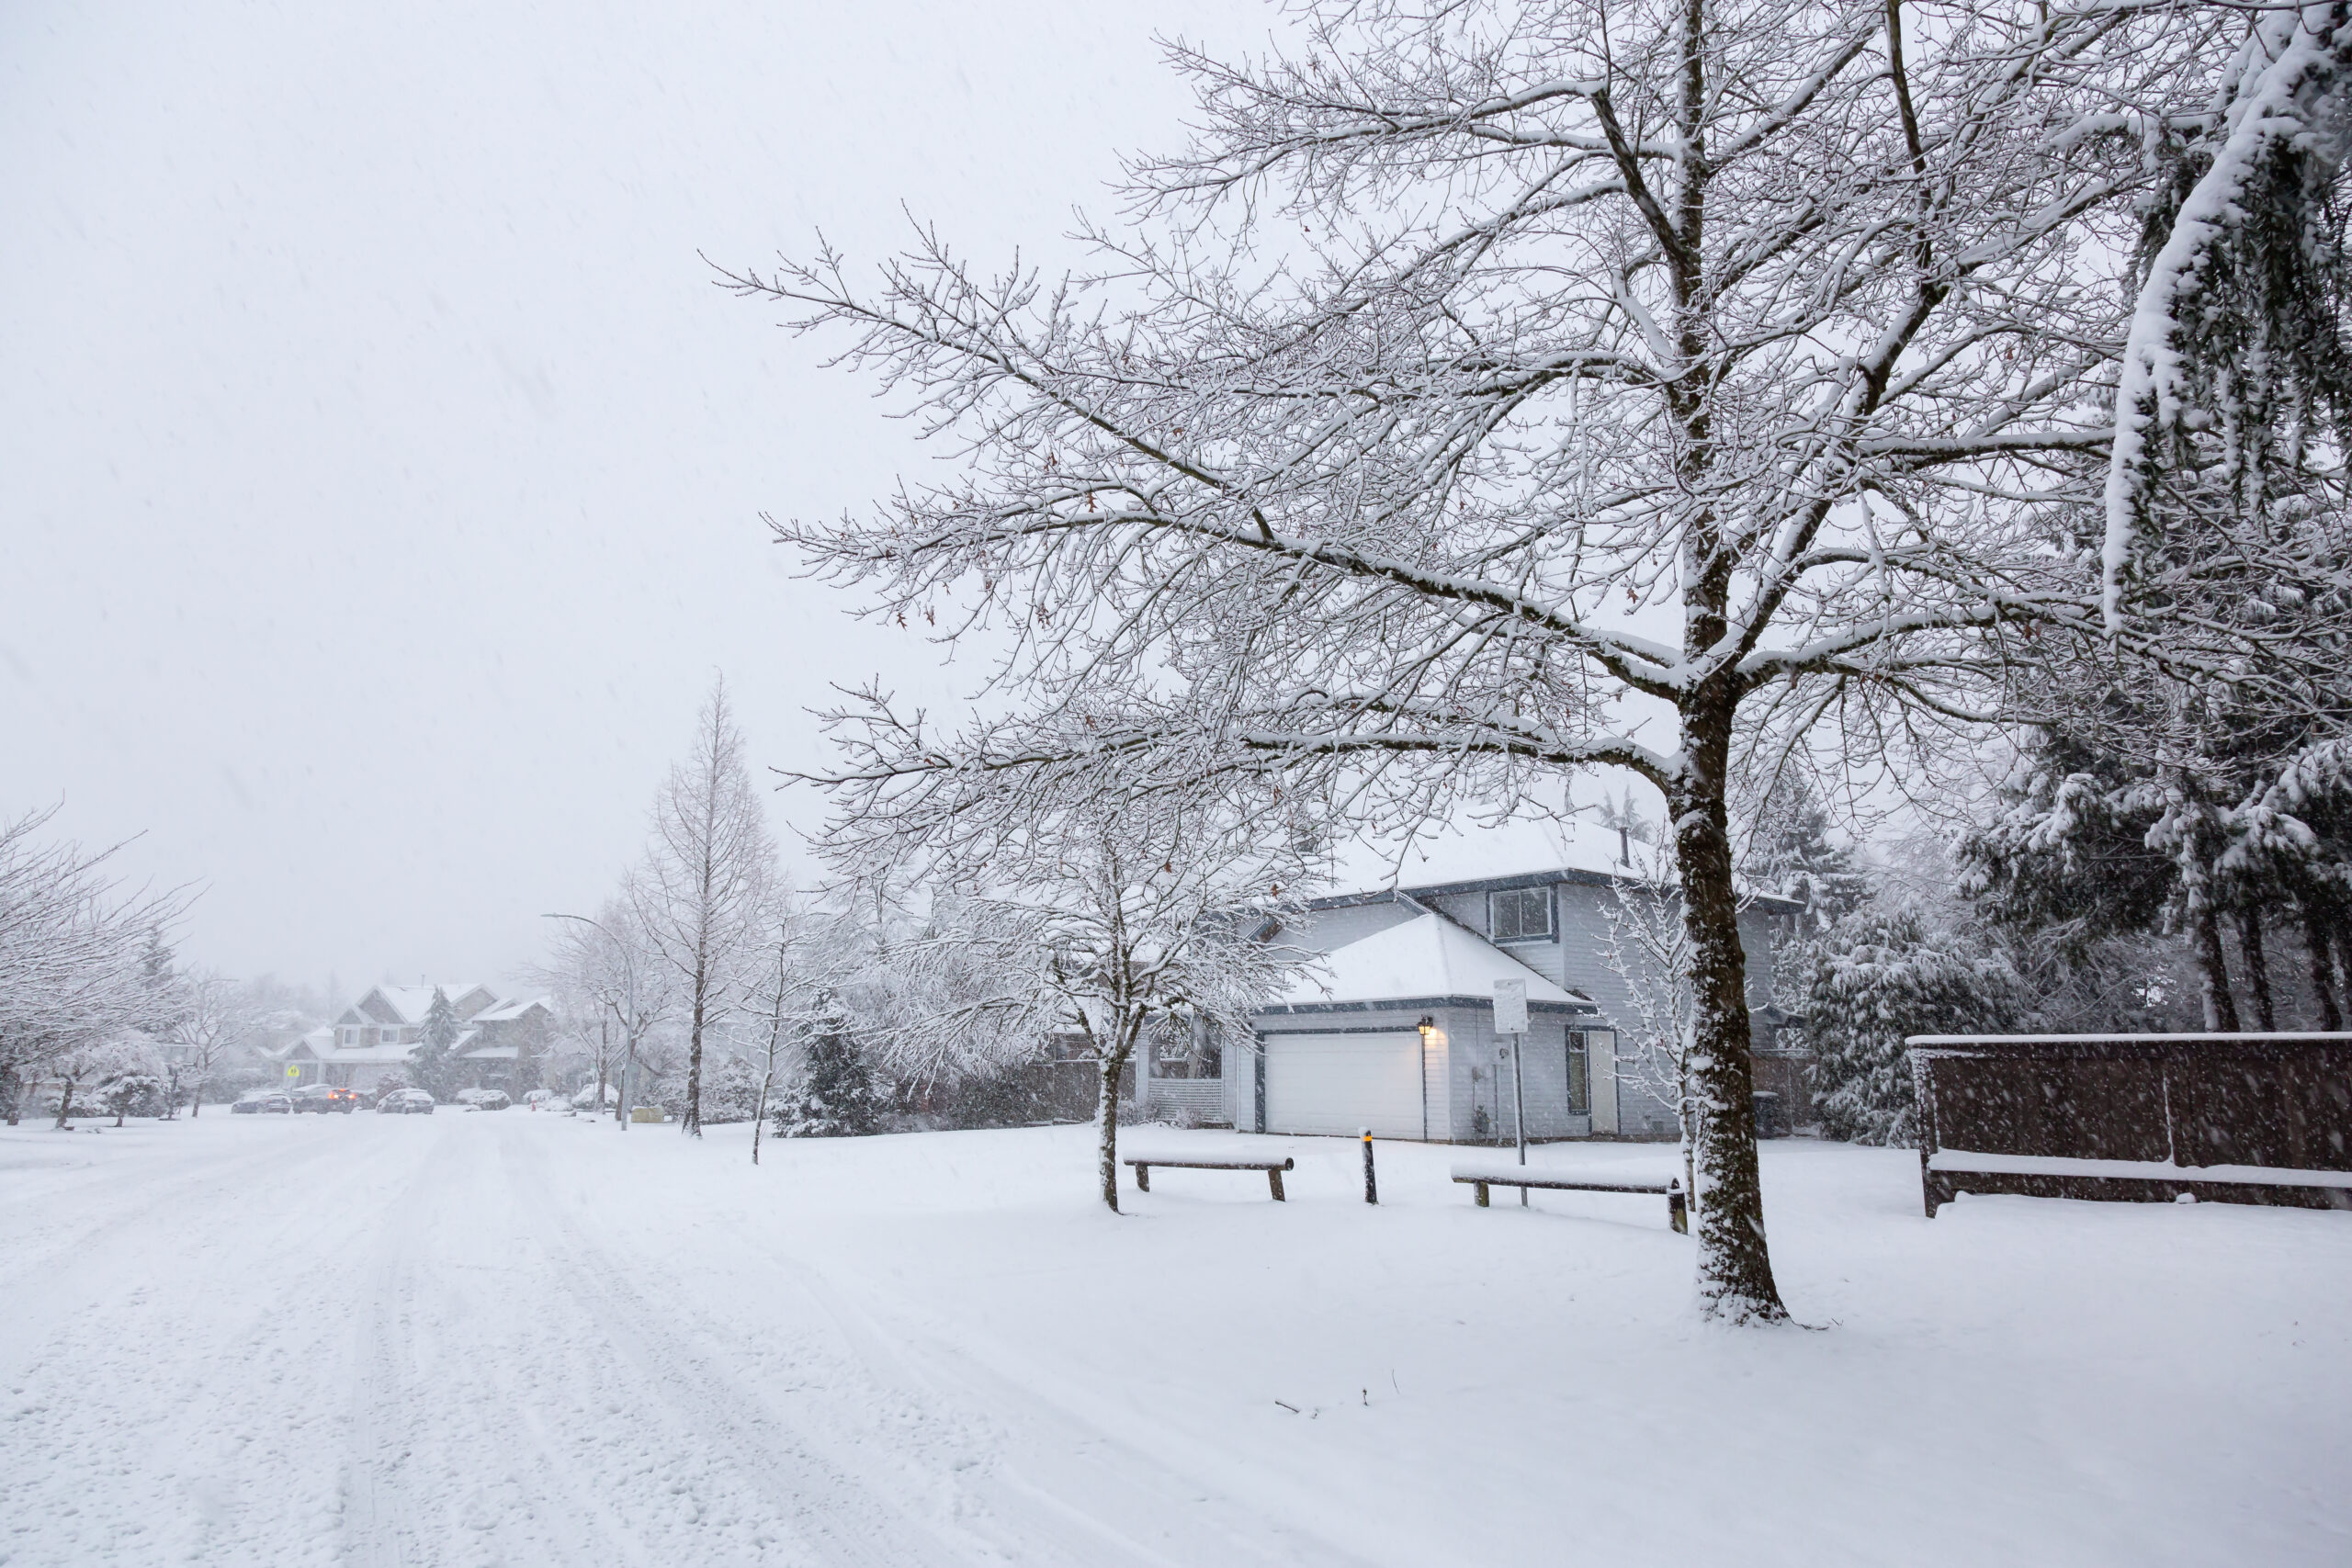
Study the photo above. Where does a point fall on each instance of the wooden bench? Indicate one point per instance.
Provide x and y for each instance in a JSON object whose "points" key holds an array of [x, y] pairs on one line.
{"points": [[1273, 1168], [1483, 1178]]}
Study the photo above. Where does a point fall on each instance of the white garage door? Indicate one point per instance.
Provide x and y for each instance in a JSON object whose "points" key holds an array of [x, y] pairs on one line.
{"points": [[1338, 1083]]}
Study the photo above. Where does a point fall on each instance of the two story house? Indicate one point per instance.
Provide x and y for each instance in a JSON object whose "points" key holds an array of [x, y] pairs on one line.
{"points": [[1394, 1030], [372, 1041]]}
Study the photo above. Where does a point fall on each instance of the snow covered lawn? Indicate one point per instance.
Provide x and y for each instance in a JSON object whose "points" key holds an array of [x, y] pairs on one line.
{"points": [[520, 1339]]}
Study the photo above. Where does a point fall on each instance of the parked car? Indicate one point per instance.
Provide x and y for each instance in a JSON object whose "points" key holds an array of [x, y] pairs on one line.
{"points": [[405, 1102], [325, 1097], [263, 1102], [491, 1099]]}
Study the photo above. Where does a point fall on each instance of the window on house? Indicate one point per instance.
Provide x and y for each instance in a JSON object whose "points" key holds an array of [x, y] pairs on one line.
{"points": [[1523, 914], [1579, 1079]]}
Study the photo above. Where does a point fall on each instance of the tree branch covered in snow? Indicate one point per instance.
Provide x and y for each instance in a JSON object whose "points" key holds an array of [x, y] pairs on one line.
{"points": [[2236, 340], [1487, 393], [71, 940]]}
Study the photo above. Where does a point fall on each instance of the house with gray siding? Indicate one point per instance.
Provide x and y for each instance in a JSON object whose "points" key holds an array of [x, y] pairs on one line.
{"points": [[1403, 997]]}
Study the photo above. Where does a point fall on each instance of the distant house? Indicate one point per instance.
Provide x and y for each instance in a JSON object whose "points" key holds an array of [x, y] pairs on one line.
{"points": [[1397, 1032], [499, 1044]]}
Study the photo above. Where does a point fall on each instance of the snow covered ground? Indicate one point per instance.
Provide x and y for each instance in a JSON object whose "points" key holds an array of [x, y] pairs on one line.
{"points": [[518, 1339]]}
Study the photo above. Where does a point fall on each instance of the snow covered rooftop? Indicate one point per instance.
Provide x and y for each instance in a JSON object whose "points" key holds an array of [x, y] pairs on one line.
{"points": [[1524, 849], [413, 1002], [1418, 961], [1467, 852], [507, 1011]]}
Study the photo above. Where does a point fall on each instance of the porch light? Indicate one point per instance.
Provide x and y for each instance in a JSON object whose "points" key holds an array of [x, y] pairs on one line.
{"points": [[1427, 1026]]}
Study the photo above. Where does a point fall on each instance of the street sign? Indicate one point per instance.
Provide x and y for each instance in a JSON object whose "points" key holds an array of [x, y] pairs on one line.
{"points": [[1510, 1006], [292, 1071]]}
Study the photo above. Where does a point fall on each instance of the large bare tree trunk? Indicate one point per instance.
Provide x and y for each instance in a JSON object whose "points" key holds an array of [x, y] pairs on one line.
{"points": [[692, 1126], [65, 1105], [1736, 1283], [1106, 1117]]}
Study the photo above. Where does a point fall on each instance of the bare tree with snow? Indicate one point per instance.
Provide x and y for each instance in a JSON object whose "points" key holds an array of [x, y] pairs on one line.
{"points": [[1094, 919], [1648, 949], [704, 884], [1493, 391], [789, 992], [214, 1018], [606, 970], [72, 938]]}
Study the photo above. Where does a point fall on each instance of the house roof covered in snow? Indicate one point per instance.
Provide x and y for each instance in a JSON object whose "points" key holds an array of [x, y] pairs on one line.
{"points": [[1523, 851], [506, 1012], [1429, 959], [409, 1004], [1466, 852]]}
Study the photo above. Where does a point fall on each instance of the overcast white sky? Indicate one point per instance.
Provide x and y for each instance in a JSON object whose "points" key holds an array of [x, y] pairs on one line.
{"points": [[379, 472]]}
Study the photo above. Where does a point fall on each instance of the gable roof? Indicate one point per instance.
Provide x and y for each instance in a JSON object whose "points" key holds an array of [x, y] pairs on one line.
{"points": [[409, 1004], [506, 1012], [1524, 852], [1424, 960], [1521, 849]]}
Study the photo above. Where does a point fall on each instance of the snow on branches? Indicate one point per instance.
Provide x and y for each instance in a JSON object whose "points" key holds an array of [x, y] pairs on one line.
{"points": [[1497, 392], [2235, 339], [72, 941]]}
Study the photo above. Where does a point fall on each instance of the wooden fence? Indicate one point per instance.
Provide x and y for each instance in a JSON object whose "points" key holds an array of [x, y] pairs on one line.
{"points": [[2233, 1118]]}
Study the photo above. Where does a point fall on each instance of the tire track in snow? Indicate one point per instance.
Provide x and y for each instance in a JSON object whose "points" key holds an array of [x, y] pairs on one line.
{"points": [[1091, 1484], [169, 1373], [52, 1280], [836, 1517], [453, 1460]]}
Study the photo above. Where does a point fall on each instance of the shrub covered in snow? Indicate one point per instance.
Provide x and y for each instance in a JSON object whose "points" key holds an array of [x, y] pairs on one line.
{"points": [[1875, 976], [837, 1095], [730, 1094]]}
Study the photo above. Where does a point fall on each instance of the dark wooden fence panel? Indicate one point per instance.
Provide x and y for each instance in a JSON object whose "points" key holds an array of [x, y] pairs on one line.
{"points": [[2191, 1101]]}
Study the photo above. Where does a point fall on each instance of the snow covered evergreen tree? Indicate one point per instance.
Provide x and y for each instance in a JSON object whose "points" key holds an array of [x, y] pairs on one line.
{"points": [[1790, 851], [732, 1093], [432, 1068], [837, 1093], [1874, 977], [135, 1091]]}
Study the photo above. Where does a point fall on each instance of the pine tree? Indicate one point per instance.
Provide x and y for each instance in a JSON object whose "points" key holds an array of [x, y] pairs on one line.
{"points": [[837, 1095], [432, 1068], [159, 982], [1875, 977], [1790, 853]]}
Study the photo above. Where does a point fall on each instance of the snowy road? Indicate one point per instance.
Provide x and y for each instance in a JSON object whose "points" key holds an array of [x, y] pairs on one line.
{"points": [[410, 1342], [515, 1340]]}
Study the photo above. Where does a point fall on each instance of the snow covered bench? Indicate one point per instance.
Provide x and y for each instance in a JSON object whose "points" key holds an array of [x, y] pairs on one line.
{"points": [[1273, 1168], [1484, 1175], [2248, 1118]]}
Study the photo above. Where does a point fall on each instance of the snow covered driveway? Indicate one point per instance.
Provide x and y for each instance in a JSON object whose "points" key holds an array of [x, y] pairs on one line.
{"points": [[520, 1339]]}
